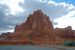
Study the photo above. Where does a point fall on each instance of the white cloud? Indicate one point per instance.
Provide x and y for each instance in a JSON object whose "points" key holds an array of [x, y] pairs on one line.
{"points": [[13, 5], [51, 8], [5, 31], [67, 20]]}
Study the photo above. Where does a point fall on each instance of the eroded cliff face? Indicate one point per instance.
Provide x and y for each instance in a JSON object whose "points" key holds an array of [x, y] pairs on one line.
{"points": [[38, 29], [37, 23]]}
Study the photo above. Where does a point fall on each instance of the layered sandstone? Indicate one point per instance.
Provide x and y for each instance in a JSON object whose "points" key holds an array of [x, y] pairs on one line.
{"points": [[36, 22], [38, 29]]}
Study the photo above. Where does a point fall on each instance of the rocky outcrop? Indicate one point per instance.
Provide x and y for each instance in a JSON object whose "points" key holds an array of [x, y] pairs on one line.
{"points": [[38, 29], [37, 22]]}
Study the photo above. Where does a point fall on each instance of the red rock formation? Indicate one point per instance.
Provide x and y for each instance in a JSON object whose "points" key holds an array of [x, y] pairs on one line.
{"points": [[38, 29], [37, 23], [37, 26]]}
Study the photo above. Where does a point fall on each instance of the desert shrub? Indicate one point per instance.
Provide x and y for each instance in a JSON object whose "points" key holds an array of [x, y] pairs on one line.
{"points": [[69, 43]]}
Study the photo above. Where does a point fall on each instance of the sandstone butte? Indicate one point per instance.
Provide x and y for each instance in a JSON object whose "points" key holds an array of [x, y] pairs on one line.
{"points": [[37, 30]]}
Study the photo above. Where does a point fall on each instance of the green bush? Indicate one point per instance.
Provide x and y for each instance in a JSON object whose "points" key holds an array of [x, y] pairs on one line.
{"points": [[69, 43], [73, 43]]}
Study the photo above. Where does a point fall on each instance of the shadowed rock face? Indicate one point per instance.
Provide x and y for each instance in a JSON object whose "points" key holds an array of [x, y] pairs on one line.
{"points": [[37, 23]]}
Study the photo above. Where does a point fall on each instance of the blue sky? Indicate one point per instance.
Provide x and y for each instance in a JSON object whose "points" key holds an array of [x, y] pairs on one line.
{"points": [[67, 1], [13, 12]]}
